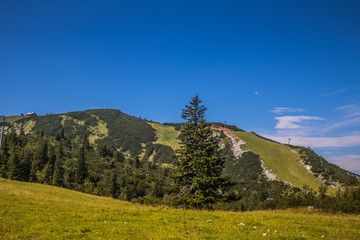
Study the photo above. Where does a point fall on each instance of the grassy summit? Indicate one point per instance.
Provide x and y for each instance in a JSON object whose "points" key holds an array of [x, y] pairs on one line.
{"points": [[34, 211]]}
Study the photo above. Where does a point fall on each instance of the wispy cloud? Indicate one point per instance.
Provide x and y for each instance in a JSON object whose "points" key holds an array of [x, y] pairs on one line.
{"points": [[345, 123], [350, 117], [281, 110], [350, 110], [293, 122], [339, 91]]}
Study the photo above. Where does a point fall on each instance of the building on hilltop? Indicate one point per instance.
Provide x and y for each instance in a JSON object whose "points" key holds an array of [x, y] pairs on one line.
{"points": [[31, 114]]}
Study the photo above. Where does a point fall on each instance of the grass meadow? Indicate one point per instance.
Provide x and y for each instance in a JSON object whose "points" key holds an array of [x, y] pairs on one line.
{"points": [[35, 211], [283, 160], [167, 135]]}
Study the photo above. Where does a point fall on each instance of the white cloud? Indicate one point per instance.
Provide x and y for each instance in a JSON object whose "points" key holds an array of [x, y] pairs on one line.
{"points": [[350, 117], [318, 142], [281, 110], [256, 93], [293, 122]]}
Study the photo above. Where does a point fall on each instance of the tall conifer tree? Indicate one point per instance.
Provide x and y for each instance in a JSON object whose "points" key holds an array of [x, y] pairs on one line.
{"points": [[198, 176], [14, 169], [82, 171]]}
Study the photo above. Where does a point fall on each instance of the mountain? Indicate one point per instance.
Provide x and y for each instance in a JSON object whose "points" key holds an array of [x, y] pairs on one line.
{"points": [[105, 126], [249, 156]]}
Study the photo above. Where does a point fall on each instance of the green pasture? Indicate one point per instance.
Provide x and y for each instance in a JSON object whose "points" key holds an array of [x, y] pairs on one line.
{"points": [[35, 211]]}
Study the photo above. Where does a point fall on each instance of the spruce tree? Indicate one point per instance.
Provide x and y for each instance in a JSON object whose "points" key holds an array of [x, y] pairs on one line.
{"points": [[40, 160], [4, 157], [27, 158], [41, 155], [114, 187], [58, 174], [81, 172], [14, 169], [198, 175]]}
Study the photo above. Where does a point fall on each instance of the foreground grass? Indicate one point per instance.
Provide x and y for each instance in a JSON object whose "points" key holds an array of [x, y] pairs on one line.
{"points": [[33, 211], [283, 160]]}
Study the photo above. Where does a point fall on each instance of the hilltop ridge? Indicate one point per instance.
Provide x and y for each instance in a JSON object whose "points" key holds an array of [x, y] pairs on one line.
{"points": [[290, 164]]}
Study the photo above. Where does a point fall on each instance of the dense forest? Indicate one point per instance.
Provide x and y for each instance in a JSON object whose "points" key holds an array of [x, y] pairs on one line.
{"points": [[101, 170], [81, 166]]}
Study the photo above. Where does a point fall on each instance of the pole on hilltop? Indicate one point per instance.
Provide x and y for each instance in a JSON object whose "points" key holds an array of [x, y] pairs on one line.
{"points": [[3, 124]]}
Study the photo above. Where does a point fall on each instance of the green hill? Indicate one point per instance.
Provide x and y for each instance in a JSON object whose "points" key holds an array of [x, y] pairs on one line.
{"points": [[35, 211], [103, 126], [131, 159], [295, 165], [137, 136]]}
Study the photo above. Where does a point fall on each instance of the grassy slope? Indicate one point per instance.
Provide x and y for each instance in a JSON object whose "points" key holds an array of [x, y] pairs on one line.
{"points": [[98, 132], [34, 211], [167, 135], [281, 159]]}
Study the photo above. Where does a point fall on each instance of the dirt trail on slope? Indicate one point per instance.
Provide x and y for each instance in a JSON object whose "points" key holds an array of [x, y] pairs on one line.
{"points": [[236, 148], [236, 142]]}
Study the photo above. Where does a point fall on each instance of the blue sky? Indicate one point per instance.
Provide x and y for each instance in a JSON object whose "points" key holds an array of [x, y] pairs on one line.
{"points": [[284, 69]]}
